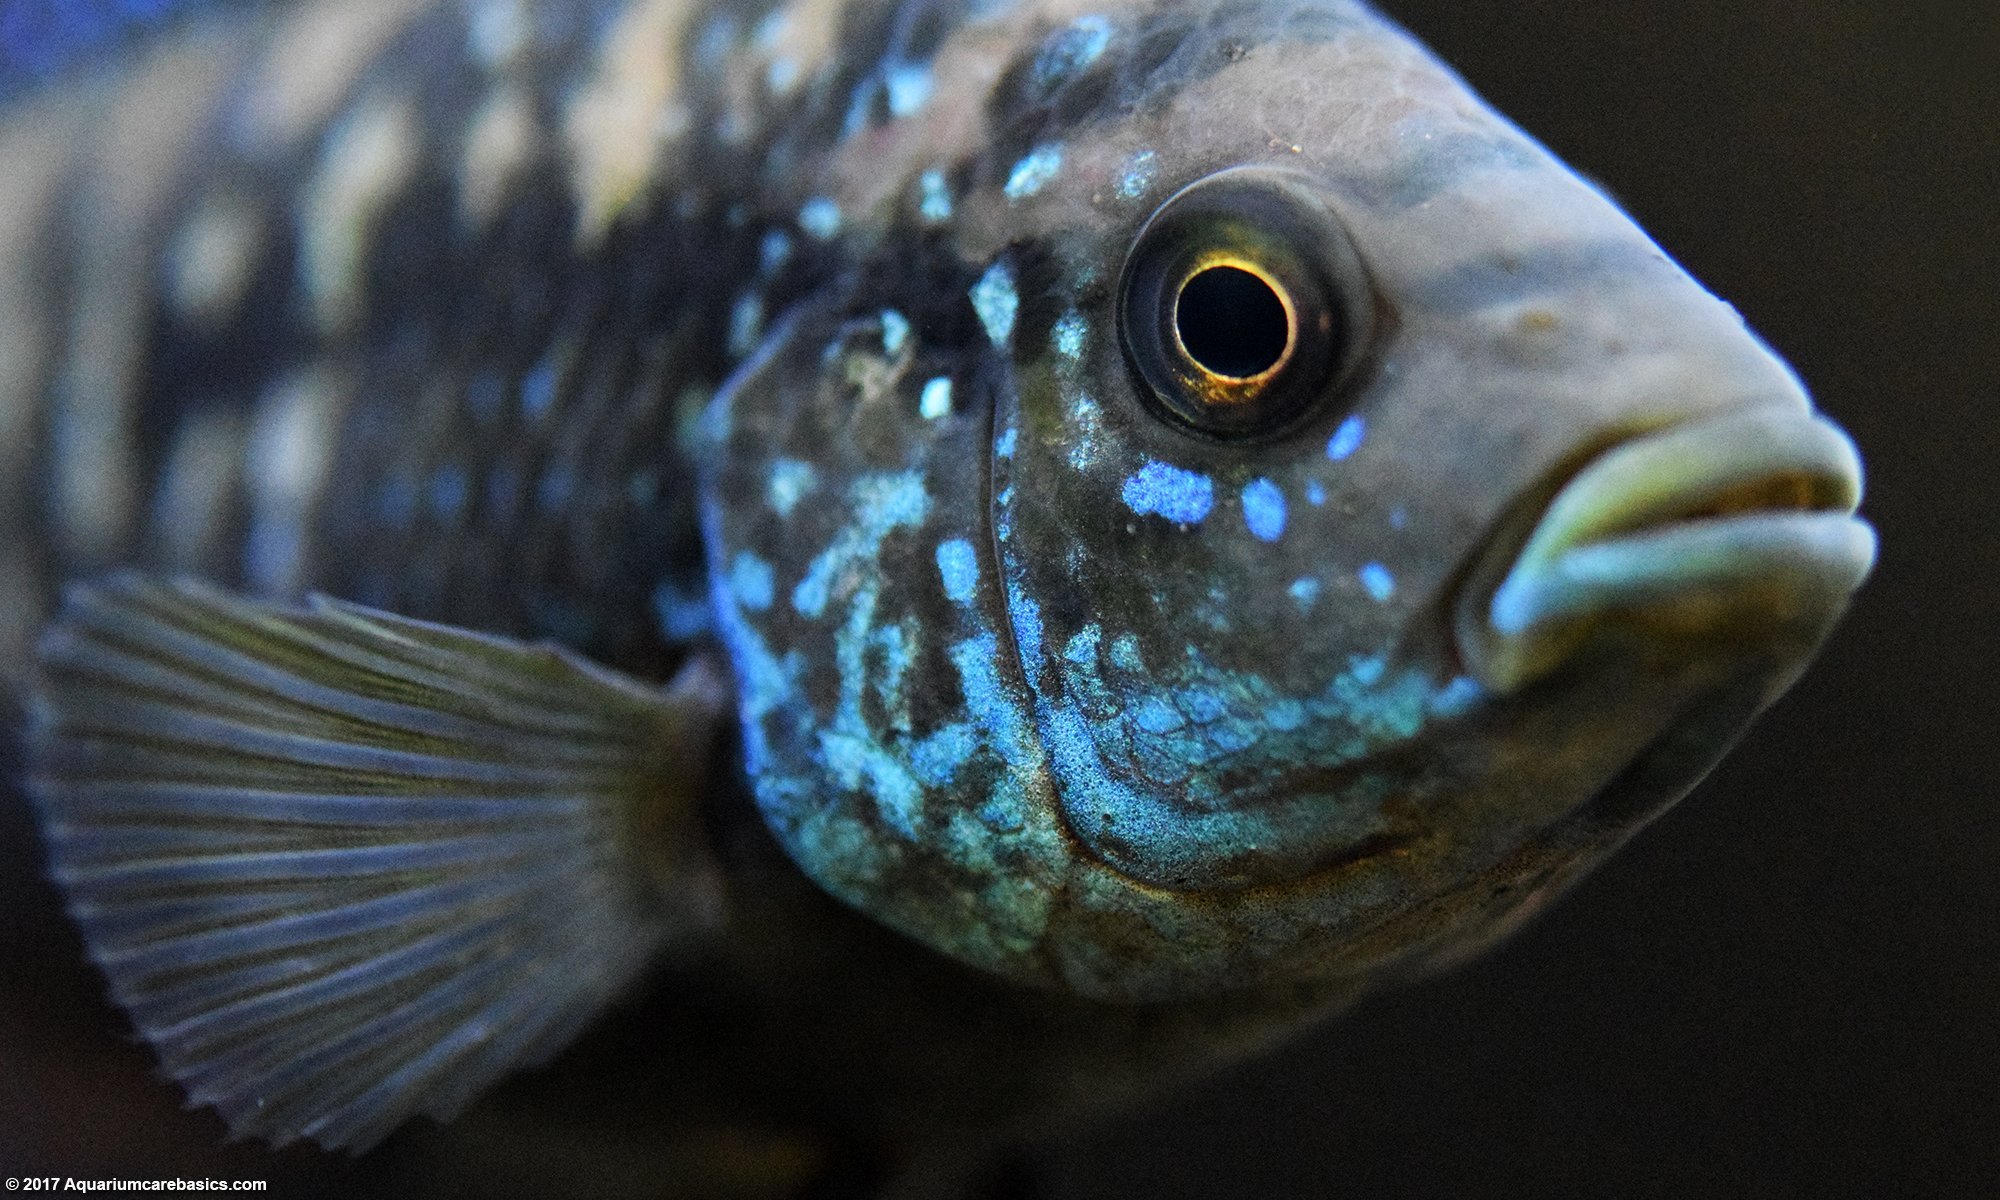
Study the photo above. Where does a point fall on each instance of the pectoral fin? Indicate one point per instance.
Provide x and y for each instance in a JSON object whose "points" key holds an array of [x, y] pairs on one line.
{"points": [[343, 867]]}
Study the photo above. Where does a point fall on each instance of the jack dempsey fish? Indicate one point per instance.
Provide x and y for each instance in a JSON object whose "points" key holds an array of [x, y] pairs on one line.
{"points": [[969, 558]]}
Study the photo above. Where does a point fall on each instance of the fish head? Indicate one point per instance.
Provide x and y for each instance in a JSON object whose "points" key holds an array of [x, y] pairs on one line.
{"points": [[1378, 528]]}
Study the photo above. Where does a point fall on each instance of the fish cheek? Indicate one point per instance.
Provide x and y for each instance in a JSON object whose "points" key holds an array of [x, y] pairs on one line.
{"points": [[885, 728], [1200, 727]]}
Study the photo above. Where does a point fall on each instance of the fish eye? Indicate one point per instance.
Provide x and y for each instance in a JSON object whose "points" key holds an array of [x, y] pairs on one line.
{"points": [[1243, 304]]}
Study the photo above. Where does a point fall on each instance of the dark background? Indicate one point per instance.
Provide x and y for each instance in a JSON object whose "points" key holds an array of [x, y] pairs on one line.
{"points": [[1789, 986]]}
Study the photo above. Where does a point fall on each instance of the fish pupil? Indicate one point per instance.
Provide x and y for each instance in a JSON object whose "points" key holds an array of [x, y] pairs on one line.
{"points": [[1232, 322]]}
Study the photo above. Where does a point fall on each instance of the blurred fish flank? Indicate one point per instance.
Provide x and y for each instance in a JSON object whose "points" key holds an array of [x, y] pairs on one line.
{"points": [[1174, 512]]}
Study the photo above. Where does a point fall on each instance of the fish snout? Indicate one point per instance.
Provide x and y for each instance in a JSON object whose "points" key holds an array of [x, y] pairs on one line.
{"points": [[1725, 533]]}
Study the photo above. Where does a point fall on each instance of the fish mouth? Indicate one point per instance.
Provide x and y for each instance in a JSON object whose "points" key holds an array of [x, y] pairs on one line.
{"points": [[1712, 535]]}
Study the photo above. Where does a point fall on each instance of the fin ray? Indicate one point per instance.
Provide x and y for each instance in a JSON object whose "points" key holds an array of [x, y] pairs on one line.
{"points": [[313, 849]]}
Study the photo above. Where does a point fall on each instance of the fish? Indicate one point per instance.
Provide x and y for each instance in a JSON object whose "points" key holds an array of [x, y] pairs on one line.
{"points": [[971, 559]]}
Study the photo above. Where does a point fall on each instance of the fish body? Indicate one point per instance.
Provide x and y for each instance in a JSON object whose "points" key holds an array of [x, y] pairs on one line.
{"points": [[1021, 549]]}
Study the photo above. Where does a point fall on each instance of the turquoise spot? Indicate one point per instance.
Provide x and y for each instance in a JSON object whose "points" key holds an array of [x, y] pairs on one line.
{"points": [[936, 399], [820, 217], [909, 87], [882, 503], [790, 480], [1033, 173], [1184, 497], [1315, 494], [958, 567], [994, 299], [898, 652], [1068, 333], [1378, 581], [895, 332], [1346, 439], [1070, 51], [1003, 447], [1285, 715], [774, 250], [935, 201], [1138, 175], [1082, 646], [1232, 737], [856, 760], [1203, 706], [937, 758], [750, 581], [1264, 509], [1125, 654], [1155, 715], [1399, 517], [1305, 591]]}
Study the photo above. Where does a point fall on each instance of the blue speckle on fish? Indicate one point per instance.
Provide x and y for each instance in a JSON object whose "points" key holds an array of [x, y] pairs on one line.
{"points": [[1071, 50], [1379, 583], [1158, 489], [1264, 509], [1346, 439], [910, 87], [883, 504], [1068, 334], [936, 202], [1034, 172], [790, 481], [1138, 175], [820, 217], [994, 299], [935, 401], [750, 581], [958, 565], [895, 332]]}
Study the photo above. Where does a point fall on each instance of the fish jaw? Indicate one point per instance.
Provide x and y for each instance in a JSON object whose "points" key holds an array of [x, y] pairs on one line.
{"points": [[1701, 540]]}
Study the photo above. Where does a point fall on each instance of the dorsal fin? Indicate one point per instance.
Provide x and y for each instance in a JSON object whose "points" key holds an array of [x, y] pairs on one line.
{"points": [[343, 867]]}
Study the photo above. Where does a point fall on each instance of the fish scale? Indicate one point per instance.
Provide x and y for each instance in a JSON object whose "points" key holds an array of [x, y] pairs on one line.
{"points": [[1023, 550]]}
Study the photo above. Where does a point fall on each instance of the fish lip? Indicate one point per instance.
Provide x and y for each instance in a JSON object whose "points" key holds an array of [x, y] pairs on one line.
{"points": [[1698, 536]]}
